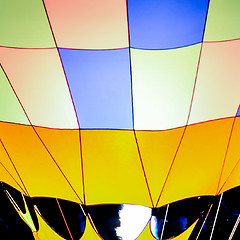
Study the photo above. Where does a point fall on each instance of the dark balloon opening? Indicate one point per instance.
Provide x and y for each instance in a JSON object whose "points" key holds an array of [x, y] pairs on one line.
{"points": [[170, 221], [106, 219], [11, 225], [64, 217]]}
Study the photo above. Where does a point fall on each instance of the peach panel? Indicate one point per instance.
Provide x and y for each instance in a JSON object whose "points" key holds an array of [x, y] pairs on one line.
{"points": [[89, 24], [197, 167], [113, 172], [39, 173], [38, 79], [218, 86], [157, 150]]}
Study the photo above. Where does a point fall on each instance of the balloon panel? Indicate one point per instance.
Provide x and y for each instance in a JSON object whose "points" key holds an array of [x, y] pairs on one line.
{"points": [[101, 87], [64, 147], [9, 174], [11, 110], [36, 167], [7, 178], [89, 24], [24, 24], [197, 167], [222, 21], [133, 88], [45, 232], [232, 155], [157, 149], [39, 82], [217, 87], [112, 168], [166, 24], [163, 82]]}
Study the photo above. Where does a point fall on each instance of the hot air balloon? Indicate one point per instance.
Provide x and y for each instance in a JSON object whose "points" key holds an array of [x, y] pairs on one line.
{"points": [[122, 113]]}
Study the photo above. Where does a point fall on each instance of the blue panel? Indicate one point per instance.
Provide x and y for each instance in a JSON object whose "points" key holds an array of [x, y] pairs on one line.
{"points": [[238, 112], [100, 84], [164, 24]]}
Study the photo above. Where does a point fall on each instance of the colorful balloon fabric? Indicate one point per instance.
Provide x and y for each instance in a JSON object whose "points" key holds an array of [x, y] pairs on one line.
{"points": [[119, 102]]}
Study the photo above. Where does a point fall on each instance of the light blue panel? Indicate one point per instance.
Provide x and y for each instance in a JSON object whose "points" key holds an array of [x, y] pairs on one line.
{"points": [[165, 24], [100, 84]]}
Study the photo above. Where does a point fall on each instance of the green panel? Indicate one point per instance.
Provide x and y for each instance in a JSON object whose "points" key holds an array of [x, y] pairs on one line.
{"points": [[23, 23], [223, 20], [10, 109]]}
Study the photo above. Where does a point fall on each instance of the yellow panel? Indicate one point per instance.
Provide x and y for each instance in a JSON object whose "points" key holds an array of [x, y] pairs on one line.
{"points": [[218, 86], [146, 234], [26, 217], [233, 155], [45, 232], [113, 172], [197, 167], [186, 234], [89, 233], [163, 82], [39, 173], [39, 81], [157, 150], [222, 20]]}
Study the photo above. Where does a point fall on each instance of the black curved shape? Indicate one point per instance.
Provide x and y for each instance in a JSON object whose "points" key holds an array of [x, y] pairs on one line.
{"points": [[181, 215], [74, 216], [106, 219], [12, 227], [16, 197]]}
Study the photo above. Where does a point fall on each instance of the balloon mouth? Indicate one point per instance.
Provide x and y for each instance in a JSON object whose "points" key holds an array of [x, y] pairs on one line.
{"points": [[110, 221]]}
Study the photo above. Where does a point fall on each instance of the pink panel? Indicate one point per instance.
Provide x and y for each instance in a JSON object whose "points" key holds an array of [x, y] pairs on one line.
{"points": [[89, 24], [217, 93], [39, 81]]}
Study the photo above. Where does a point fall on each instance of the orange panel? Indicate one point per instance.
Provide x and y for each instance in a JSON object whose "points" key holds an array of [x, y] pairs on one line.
{"points": [[112, 167], [197, 167], [233, 179], [64, 146], [8, 172], [39, 173], [89, 24], [233, 155], [157, 150]]}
